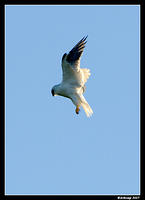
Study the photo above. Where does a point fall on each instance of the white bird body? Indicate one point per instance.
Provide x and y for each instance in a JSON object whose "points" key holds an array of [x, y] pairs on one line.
{"points": [[74, 79]]}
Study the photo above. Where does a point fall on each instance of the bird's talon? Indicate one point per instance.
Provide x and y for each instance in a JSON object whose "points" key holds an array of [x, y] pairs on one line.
{"points": [[77, 110]]}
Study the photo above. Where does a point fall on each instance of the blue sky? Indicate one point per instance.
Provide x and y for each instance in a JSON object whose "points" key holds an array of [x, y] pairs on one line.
{"points": [[50, 149]]}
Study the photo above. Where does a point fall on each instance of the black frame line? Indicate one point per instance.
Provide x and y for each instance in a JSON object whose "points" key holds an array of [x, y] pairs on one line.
{"points": [[2, 107]]}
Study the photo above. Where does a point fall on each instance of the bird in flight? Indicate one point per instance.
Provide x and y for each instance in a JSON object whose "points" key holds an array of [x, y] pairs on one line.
{"points": [[74, 78]]}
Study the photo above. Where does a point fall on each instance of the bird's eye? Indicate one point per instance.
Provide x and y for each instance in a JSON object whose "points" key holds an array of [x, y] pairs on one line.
{"points": [[52, 92]]}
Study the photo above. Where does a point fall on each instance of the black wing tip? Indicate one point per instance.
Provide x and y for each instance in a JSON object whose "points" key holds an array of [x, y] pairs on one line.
{"points": [[77, 51], [82, 41], [84, 38]]}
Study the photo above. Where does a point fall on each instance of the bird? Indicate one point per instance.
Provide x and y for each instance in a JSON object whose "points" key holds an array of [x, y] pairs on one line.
{"points": [[74, 78]]}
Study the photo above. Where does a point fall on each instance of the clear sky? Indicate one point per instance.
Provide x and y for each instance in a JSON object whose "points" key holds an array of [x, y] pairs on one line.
{"points": [[50, 149]]}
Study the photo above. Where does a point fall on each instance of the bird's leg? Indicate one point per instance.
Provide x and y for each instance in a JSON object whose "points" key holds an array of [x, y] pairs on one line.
{"points": [[77, 110]]}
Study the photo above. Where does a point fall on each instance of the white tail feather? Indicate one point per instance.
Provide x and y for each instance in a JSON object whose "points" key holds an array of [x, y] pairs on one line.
{"points": [[82, 102], [87, 109]]}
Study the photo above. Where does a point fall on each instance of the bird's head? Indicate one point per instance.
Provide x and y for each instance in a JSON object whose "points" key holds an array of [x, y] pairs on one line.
{"points": [[54, 90]]}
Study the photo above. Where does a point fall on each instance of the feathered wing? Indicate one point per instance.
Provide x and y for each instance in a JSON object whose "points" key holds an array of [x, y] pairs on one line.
{"points": [[72, 72], [74, 55], [74, 75], [86, 74]]}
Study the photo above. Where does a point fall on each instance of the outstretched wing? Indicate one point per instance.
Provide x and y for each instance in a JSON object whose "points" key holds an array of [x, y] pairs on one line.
{"points": [[74, 55], [71, 64]]}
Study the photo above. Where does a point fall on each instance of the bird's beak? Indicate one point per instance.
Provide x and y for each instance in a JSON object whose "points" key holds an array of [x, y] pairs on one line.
{"points": [[52, 92]]}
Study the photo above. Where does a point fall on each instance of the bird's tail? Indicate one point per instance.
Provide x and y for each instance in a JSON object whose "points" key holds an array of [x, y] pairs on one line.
{"points": [[88, 110]]}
